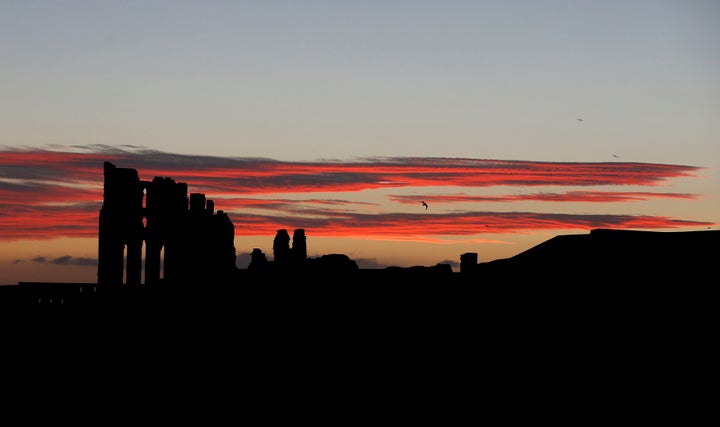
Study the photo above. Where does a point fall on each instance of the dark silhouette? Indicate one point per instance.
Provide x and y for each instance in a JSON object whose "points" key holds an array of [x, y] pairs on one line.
{"points": [[608, 315], [424, 204], [281, 249], [299, 247], [611, 257], [258, 260], [468, 262], [198, 243]]}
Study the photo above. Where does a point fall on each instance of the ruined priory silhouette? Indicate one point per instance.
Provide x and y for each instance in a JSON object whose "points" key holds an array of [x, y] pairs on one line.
{"points": [[197, 242]]}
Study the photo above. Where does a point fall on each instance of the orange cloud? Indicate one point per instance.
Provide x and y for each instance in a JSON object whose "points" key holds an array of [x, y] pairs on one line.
{"points": [[47, 193]]}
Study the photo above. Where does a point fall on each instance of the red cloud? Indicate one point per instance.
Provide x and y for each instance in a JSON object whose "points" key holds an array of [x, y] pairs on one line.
{"points": [[47, 193], [570, 196]]}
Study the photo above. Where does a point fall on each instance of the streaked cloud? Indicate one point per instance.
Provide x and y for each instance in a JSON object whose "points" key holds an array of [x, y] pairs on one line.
{"points": [[62, 260], [57, 191], [79, 261], [421, 227], [257, 175], [569, 196]]}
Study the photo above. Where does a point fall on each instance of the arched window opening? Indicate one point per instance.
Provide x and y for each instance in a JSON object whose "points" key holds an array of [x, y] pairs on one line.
{"points": [[162, 262], [124, 269]]}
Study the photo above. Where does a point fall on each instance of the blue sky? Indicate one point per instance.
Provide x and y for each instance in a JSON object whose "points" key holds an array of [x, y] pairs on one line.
{"points": [[345, 80]]}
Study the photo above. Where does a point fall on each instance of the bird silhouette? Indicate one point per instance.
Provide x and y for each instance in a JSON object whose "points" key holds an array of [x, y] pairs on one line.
{"points": [[616, 156], [580, 120], [424, 204]]}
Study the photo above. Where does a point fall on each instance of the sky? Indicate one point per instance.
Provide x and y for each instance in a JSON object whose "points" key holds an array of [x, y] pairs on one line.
{"points": [[515, 121]]}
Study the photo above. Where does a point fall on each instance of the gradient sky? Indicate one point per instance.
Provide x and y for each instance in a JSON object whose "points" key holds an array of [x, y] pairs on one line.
{"points": [[341, 116]]}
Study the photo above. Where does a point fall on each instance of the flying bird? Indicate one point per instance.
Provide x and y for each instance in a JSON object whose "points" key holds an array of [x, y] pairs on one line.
{"points": [[424, 204], [616, 156], [580, 120]]}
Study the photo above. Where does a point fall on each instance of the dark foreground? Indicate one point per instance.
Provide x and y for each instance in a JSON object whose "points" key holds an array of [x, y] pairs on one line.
{"points": [[343, 350]]}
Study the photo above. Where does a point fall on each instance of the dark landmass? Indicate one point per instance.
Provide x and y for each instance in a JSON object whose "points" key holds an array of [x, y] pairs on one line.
{"points": [[608, 315], [557, 322]]}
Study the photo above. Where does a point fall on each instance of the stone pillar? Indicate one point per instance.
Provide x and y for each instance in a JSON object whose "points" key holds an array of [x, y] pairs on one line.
{"points": [[120, 225], [281, 248], [299, 247]]}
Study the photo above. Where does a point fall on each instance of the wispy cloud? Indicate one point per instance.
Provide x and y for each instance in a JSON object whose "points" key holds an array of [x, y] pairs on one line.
{"points": [[410, 226], [569, 196], [258, 175], [80, 261], [57, 191], [63, 260]]}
